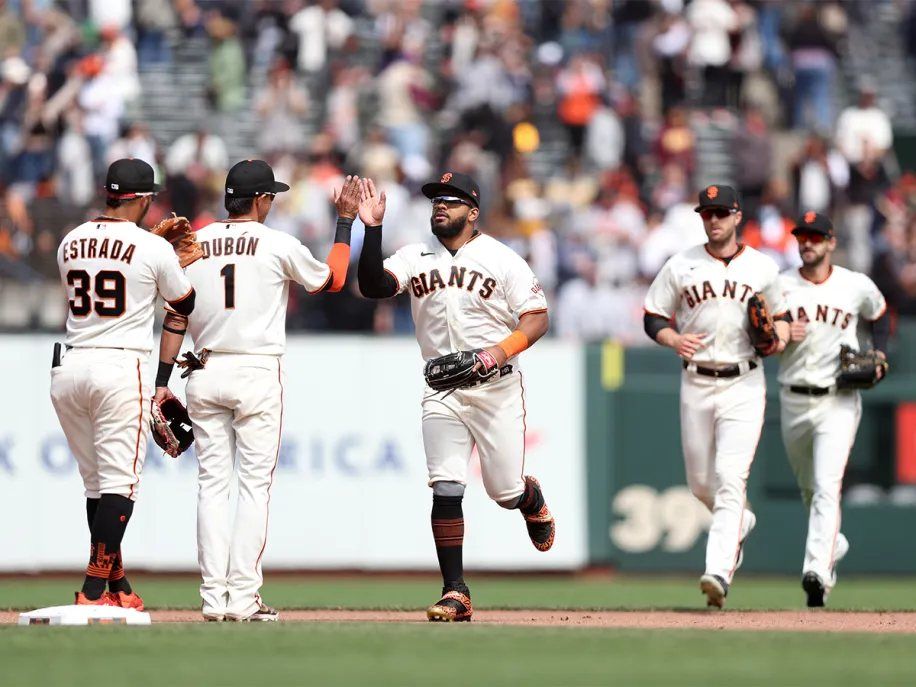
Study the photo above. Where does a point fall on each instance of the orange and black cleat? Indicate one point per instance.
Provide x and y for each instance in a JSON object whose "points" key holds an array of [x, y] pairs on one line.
{"points": [[542, 528], [453, 607], [83, 600], [123, 600]]}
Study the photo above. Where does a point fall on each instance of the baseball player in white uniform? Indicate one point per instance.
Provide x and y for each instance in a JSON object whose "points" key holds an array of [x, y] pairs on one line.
{"points": [[467, 292], [235, 396], [113, 272], [819, 422], [697, 305]]}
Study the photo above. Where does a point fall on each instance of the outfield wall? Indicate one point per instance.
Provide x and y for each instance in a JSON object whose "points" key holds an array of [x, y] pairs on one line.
{"points": [[350, 488]]}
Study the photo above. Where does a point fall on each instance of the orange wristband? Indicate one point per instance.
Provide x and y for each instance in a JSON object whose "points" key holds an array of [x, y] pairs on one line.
{"points": [[514, 344]]}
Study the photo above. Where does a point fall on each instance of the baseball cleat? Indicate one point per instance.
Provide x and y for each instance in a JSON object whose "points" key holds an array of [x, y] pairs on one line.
{"points": [[453, 607], [82, 600], [751, 523], [542, 528], [815, 589], [715, 588], [210, 618], [123, 600], [264, 614]]}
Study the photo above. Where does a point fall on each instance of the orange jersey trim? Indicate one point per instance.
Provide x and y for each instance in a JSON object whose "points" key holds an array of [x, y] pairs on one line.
{"points": [[725, 262], [139, 433]]}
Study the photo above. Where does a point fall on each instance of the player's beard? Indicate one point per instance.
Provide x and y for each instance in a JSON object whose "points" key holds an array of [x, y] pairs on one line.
{"points": [[449, 229], [815, 261]]}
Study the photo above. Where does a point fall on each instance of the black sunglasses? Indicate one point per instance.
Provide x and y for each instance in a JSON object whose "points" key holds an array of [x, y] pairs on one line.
{"points": [[450, 201], [721, 213]]}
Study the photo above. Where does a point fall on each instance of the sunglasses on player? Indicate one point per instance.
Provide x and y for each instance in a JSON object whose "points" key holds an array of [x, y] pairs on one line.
{"points": [[810, 237], [450, 201], [721, 213]]}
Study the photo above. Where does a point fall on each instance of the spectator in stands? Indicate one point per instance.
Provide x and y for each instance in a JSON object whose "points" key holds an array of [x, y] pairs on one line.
{"points": [[14, 76], [404, 94], [227, 65], [135, 141], [672, 188], [580, 87], [198, 155], [12, 31], [752, 154], [814, 53], [864, 137], [75, 178], [117, 14], [669, 46], [894, 268], [676, 142], [604, 140], [321, 27], [771, 231], [119, 62], [710, 48], [819, 175], [281, 106], [155, 20], [103, 105]]}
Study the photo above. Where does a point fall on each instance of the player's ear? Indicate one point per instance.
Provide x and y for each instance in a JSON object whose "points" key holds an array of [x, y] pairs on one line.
{"points": [[473, 214], [738, 217]]}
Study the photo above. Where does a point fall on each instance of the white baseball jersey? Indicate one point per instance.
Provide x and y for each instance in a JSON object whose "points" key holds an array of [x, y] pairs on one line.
{"points": [[112, 271], [472, 299], [242, 285], [832, 309], [703, 294]]}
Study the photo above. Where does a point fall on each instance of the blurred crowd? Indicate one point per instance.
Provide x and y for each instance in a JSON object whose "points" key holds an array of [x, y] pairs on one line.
{"points": [[584, 122]]}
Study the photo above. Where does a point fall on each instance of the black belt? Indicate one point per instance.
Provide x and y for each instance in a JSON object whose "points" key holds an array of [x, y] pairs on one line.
{"points": [[810, 390], [721, 372]]}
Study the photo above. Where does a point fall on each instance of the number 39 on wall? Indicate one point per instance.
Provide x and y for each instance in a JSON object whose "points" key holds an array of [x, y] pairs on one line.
{"points": [[673, 519]]}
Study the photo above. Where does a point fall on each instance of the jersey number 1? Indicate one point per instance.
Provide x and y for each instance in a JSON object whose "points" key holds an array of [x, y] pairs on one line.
{"points": [[228, 275]]}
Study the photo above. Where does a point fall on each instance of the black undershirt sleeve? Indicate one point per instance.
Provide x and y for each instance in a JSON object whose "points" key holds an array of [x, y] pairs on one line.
{"points": [[343, 230], [880, 332], [653, 324], [374, 281], [184, 306]]}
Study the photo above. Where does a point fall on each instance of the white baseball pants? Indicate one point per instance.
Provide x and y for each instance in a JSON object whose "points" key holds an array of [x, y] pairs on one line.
{"points": [[721, 421], [236, 407], [818, 433], [102, 399], [492, 416]]}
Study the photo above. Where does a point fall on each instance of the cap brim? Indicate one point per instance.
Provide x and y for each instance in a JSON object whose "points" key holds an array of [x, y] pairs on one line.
{"points": [[157, 188], [437, 188], [700, 208], [279, 187], [810, 230]]}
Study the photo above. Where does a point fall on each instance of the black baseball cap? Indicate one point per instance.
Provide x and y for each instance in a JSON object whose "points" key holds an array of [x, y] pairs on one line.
{"points": [[718, 196], [128, 176], [250, 178], [814, 223], [453, 184]]}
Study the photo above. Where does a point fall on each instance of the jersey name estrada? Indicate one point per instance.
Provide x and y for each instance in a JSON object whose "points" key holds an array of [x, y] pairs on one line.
{"points": [[242, 285], [832, 309], [704, 295], [473, 299], [112, 271]]}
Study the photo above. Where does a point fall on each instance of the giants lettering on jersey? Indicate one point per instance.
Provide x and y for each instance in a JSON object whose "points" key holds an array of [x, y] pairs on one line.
{"points": [[699, 293], [227, 245], [92, 249], [460, 277], [835, 317]]}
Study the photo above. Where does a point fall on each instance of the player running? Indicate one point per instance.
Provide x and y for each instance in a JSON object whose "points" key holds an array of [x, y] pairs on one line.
{"points": [[819, 421], [697, 306], [467, 292], [113, 271], [235, 394]]}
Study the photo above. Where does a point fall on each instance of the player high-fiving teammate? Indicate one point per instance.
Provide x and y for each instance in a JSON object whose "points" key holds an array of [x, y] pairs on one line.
{"points": [[698, 306], [235, 393], [819, 421], [468, 292]]}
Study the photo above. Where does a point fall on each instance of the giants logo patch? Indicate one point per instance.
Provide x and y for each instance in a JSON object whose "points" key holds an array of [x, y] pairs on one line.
{"points": [[447, 177], [712, 192], [810, 216]]}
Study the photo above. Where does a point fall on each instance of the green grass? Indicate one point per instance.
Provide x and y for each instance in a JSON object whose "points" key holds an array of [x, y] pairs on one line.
{"points": [[465, 654], [381, 591]]}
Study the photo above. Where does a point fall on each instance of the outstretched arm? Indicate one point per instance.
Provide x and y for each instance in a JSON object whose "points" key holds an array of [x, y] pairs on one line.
{"points": [[374, 280], [346, 200]]}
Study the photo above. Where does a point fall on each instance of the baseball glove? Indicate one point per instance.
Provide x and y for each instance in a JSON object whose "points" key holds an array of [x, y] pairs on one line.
{"points": [[762, 329], [459, 370], [171, 426], [177, 231], [859, 370]]}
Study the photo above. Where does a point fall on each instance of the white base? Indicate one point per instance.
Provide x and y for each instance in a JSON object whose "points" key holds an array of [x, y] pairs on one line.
{"points": [[84, 615]]}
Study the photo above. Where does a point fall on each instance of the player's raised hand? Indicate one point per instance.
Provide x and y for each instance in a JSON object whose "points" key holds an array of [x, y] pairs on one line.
{"points": [[372, 205], [687, 345], [798, 330], [347, 198]]}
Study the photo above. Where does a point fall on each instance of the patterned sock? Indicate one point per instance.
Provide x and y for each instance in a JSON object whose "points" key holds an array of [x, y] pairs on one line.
{"points": [[108, 526], [117, 580], [531, 501], [448, 532]]}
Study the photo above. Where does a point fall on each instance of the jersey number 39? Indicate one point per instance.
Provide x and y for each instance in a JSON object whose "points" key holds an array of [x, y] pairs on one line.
{"points": [[109, 287]]}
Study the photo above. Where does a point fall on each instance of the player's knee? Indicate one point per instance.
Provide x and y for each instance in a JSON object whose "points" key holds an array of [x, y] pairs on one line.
{"points": [[448, 489], [510, 504]]}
